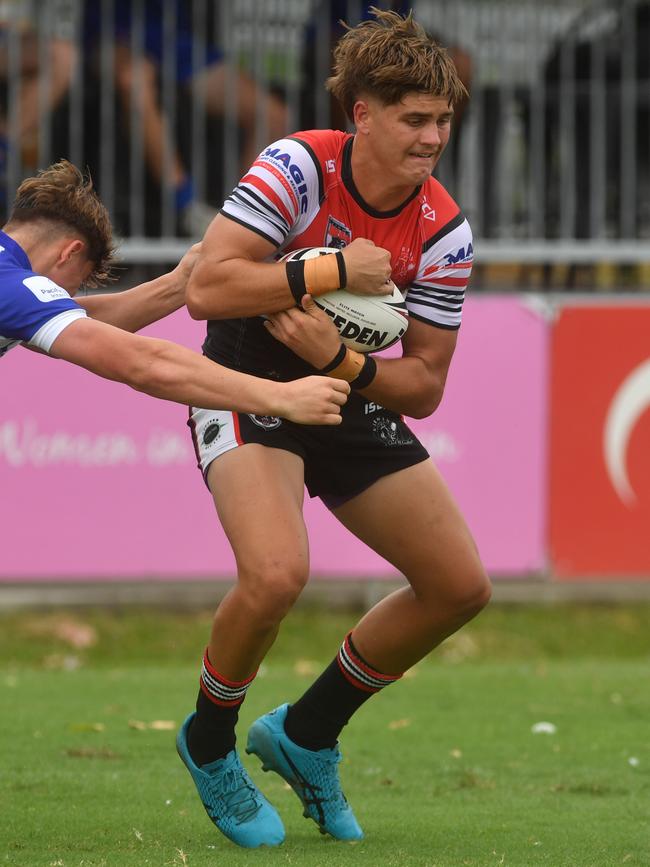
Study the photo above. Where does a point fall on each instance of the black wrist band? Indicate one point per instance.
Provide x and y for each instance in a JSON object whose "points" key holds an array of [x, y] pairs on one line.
{"points": [[367, 374], [296, 278], [338, 358], [343, 274]]}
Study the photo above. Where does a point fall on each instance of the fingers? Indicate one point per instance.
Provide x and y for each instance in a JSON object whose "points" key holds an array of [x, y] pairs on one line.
{"points": [[334, 418]]}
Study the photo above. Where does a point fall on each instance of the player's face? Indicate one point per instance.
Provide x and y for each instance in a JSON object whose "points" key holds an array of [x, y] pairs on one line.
{"points": [[409, 137]]}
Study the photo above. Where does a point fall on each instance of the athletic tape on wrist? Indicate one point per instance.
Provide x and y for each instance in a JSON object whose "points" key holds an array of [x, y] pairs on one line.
{"points": [[338, 358], [317, 276], [296, 277], [368, 373]]}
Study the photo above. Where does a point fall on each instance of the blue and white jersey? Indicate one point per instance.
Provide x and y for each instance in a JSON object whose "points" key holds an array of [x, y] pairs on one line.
{"points": [[33, 309]]}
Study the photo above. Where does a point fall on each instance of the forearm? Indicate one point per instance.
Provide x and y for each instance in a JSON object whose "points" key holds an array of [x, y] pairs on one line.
{"points": [[135, 308], [406, 386], [237, 287], [171, 372]]}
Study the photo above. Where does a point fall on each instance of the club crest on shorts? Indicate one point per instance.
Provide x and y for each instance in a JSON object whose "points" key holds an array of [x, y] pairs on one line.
{"points": [[390, 432], [211, 432], [268, 422]]}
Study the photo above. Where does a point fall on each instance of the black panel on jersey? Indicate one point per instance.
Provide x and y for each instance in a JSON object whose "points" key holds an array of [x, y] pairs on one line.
{"points": [[246, 345]]}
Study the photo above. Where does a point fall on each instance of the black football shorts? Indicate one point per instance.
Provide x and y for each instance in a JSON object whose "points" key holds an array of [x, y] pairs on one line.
{"points": [[340, 461]]}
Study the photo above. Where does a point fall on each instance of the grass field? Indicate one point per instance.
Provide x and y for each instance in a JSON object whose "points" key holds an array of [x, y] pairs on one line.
{"points": [[443, 769]]}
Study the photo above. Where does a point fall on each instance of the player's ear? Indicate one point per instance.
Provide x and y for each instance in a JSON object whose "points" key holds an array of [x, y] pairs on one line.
{"points": [[71, 250], [361, 116]]}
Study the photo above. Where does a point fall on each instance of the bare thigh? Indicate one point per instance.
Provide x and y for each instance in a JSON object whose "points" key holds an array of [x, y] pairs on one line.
{"points": [[258, 493], [411, 519]]}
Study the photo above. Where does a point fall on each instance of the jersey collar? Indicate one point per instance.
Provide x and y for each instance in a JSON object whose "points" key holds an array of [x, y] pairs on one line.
{"points": [[15, 251]]}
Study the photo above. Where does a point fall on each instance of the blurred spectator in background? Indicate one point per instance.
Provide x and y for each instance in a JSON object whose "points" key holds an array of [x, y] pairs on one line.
{"points": [[597, 65], [601, 65], [41, 67], [138, 76]]}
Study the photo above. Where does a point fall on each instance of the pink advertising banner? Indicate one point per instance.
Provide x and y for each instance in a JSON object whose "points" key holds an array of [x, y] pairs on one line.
{"points": [[100, 483]]}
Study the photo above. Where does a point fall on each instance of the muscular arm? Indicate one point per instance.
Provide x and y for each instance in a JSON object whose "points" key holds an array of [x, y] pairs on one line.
{"points": [[231, 278], [171, 372], [135, 308], [414, 384]]}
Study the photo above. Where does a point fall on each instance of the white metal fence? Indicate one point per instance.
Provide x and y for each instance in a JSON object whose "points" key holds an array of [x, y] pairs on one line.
{"points": [[164, 101]]}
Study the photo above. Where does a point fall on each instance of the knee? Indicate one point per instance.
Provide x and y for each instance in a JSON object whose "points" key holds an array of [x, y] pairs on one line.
{"points": [[462, 597], [470, 595], [272, 589]]}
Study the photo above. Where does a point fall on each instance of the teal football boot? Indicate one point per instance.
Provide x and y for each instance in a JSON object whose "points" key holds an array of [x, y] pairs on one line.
{"points": [[231, 799], [312, 774]]}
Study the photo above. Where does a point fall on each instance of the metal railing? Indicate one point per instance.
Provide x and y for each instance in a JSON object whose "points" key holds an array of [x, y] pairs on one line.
{"points": [[164, 102]]}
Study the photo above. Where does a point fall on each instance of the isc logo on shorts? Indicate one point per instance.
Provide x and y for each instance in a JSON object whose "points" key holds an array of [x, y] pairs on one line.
{"points": [[268, 422]]}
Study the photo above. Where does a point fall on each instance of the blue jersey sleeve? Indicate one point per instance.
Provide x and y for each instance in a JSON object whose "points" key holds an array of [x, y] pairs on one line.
{"points": [[34, 309]]}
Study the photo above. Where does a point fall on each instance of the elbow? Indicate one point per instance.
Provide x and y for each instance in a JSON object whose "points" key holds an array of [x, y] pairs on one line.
{"points": [[197, 307], [426, 404], [194, 307]]}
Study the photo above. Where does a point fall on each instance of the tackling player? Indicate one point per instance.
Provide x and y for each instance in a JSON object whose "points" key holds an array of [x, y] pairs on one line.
{"points": [[371, 195], [59, 237]]}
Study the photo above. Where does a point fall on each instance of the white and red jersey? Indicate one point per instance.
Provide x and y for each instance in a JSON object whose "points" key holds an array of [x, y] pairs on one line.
{"points": [[300, 193]]}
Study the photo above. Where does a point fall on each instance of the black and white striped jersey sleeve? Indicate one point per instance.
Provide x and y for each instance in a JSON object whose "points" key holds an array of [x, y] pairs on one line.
{"points": [[279, 194], [436, 295]]}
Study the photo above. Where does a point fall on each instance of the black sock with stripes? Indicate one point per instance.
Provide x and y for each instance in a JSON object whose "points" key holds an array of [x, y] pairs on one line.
{"points": [[211, 735], [316, 719]]}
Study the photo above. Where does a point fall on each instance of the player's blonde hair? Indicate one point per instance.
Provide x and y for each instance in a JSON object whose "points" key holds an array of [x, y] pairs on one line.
{"points": [[65, 197], [388, 58]]}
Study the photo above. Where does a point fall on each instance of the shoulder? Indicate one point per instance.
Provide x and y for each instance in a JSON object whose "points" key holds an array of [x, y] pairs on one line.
{"points": [[29, 302], [306, 154]]}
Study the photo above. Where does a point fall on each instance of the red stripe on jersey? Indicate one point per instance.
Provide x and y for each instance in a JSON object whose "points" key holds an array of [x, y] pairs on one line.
{"points": [[270, 194], [277, 174], [451, 281]]}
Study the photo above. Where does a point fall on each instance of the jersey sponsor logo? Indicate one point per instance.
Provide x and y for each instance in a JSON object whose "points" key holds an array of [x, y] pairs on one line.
{"points": [[460, 255], [44, 288], [268, 422], [330, 166], [337, 234], [294, 172], [390, 432], [371, 407], [346, 328], [428, 212]]}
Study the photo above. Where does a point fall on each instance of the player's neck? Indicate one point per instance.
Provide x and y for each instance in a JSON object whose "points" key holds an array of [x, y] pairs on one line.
{"points": [[373, 182]]}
